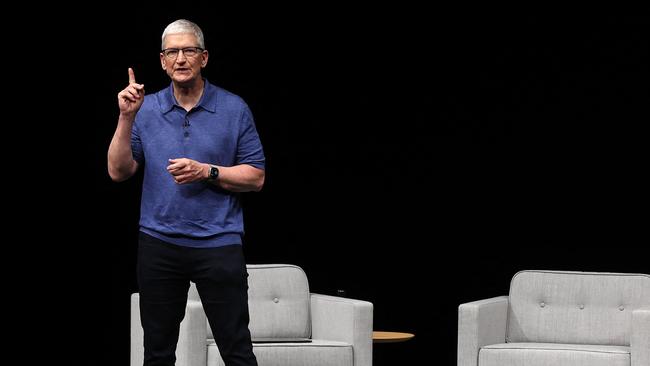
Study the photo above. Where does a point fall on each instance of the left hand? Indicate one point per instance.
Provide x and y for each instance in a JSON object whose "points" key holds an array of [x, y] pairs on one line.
{"points": [[185, 170]]}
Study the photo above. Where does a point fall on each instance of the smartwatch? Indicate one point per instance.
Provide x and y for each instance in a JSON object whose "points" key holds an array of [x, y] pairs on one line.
{"points": [[214, 173]]}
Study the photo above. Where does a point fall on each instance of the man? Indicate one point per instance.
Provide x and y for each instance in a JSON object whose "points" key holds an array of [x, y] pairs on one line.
{"points": [[199, 148]]}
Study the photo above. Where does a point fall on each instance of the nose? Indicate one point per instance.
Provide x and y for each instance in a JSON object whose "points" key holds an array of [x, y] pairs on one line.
{"points": [[181, 57]]}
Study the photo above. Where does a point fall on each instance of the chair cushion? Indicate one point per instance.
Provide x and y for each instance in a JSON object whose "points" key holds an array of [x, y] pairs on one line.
{"points": [[315, 353], [553, 354], [278, 301], [575, 307]]}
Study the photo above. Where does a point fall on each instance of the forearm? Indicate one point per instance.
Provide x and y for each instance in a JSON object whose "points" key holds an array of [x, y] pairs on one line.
{"points": [[240, 178], [121, 165]]}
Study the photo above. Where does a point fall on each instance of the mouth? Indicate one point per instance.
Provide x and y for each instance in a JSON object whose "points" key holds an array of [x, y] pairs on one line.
{"points": [[182, 70]]}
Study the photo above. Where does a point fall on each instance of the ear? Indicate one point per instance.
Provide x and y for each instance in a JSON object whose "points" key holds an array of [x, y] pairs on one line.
{"points": [[204, 58], [162, 61]]}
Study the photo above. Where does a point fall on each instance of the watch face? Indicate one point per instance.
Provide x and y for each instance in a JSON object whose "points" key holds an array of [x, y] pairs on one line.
{"points": [[214, 172]]}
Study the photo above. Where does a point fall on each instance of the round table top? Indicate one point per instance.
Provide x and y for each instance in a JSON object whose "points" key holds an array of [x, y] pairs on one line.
{"points": [[390, 337]]}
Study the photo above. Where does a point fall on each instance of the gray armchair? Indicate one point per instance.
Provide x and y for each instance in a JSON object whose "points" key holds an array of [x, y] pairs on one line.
{"points": [[553, 318], [280, 305]]}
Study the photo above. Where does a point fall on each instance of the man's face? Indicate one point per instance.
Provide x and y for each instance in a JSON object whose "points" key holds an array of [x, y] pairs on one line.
{"points": [[182, 68]]}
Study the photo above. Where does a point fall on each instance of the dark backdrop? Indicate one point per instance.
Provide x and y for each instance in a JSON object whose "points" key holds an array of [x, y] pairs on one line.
{"points": [[415, 159]]}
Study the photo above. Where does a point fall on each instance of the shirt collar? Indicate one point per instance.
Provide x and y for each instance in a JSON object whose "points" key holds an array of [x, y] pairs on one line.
{"points": [[208, 99]]}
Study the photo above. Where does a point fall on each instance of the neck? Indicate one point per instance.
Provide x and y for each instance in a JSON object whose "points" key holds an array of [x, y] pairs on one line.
{"points": [[189, 94]]}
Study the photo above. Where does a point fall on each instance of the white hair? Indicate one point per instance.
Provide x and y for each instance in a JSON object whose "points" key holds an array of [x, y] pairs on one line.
{"points": [[183, 26]]}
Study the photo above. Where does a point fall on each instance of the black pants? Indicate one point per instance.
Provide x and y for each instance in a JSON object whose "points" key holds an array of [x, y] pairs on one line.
{"points": [[164, 272]]}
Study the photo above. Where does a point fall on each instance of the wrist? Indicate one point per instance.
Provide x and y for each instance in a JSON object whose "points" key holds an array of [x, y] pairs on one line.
{"points": [[126, 118], [205, 172]]}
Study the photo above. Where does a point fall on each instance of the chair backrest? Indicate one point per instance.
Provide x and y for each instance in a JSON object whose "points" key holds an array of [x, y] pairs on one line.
{"points": [[278, 301], [575, 307]]}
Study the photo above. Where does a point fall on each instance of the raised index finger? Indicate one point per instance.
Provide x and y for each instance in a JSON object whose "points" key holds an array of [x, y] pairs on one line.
{"points": [[131, 76]]}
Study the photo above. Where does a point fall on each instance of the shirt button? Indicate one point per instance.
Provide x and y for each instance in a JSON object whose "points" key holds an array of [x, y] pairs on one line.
{"points": [[276, 300], [581, 306], [542, 304], [621, 308]]}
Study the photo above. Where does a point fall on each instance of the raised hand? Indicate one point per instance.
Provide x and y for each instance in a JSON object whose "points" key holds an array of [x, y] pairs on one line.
{"points": [[130, 99]]}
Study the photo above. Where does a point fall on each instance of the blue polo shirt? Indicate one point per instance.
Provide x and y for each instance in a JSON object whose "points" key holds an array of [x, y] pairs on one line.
{"points": [[219, 130]]}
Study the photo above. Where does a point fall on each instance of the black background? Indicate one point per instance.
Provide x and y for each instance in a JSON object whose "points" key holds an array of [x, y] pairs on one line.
{"points": [[416, 158]]}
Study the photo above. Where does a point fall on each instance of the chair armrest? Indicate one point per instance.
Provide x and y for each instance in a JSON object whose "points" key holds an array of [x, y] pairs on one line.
{"points": [[347, 320], [191, 349], [640, 340], [480, 323], [137, 334]]}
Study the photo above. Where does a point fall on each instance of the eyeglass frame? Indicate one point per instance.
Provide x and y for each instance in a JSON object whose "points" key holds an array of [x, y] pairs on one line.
{"points": [[199, 51]]}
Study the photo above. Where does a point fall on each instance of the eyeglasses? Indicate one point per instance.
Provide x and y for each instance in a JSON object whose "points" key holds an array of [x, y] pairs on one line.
{"points": [[172, 53]]}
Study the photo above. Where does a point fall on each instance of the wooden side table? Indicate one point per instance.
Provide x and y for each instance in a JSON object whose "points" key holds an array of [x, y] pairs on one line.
{"points": [[390, 337]]}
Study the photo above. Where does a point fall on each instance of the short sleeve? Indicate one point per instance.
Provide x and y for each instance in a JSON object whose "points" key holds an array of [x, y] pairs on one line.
{"points": [[136, 144], [249, 146]]}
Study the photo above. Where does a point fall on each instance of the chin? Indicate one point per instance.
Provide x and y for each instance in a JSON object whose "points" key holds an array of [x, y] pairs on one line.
{"points": [[184, 79]]}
